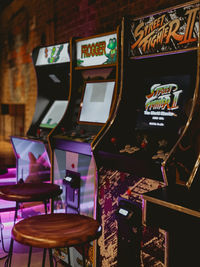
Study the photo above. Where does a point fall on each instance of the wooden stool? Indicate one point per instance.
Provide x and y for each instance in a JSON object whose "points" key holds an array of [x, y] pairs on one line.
{"points": [[27, 192], [56, 230]]}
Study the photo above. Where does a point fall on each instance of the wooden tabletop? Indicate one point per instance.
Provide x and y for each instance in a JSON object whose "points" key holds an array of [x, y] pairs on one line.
{"points": [[28, 192], [56, 230]]}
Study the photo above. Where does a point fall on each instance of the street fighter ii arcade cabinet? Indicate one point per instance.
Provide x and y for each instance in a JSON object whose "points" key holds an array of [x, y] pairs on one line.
{"points": [[178, 202], [159, 91]]}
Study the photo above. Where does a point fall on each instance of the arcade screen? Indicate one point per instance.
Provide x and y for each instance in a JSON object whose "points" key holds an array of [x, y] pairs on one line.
{"points": [[54, 114], [163, 102], [97, 101]]}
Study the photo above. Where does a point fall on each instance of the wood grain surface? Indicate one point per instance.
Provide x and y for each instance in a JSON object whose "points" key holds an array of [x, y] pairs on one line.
{"points": [[26, 192], [56, 230]]}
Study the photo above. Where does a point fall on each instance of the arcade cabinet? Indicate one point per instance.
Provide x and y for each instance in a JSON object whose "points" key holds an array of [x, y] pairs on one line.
{"points": [[52, 67], [93, 94], [160, 87], [178, 202]]}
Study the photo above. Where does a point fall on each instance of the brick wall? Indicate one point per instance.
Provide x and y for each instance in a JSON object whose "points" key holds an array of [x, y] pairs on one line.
{"points": [[27, 24]]}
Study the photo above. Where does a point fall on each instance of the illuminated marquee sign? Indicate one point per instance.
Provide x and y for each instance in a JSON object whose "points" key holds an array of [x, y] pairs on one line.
{"points": [[97, 51], [169, 31], [53, 55]]}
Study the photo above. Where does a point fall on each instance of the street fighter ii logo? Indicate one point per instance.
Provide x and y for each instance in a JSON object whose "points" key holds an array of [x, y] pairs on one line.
{"points": [[163, 97], [177, 29], [162, 102]]}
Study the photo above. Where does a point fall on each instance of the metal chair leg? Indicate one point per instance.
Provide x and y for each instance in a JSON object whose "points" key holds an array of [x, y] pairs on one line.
{"points": [[45, 206], [2, 238], [29, 256], [16, 210], [55, 262], [44, 257], [4, 257], [2, 242], [9, 256], [83, 255], [51, 258], [68, 252]]}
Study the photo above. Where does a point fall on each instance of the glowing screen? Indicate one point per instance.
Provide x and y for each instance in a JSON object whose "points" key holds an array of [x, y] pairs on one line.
{"points": [[97, 100], [163, 103], [54, 114]]}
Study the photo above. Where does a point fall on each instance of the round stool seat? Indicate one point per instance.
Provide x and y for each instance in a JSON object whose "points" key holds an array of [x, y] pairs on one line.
{"points": [[29, 192], [56, 230]]}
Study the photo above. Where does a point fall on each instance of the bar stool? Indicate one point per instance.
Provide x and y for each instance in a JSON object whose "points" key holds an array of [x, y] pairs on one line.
{"points": [[56, 230], [27, 192]]}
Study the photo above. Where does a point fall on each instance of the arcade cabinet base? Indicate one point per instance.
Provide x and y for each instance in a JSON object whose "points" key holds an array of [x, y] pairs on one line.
{"points": [[179, 215]]}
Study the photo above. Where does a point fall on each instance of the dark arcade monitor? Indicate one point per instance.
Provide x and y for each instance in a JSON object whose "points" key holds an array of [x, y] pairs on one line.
{"points": [[162, 106]]}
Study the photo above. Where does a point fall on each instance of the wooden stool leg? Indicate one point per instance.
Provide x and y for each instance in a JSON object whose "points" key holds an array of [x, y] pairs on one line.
{"points": [[29, 256], [51, 258]]}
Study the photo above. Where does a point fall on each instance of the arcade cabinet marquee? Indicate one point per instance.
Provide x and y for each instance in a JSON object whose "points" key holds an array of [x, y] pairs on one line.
{"points": [[174, 30]]}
